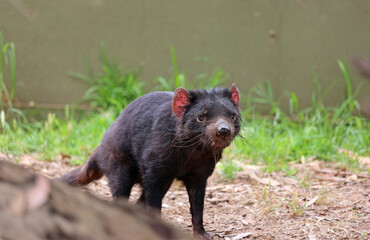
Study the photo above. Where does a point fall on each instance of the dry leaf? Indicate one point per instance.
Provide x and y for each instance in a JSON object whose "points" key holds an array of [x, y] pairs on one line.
{"points": [[311, 237], [269, 181], [248, 221], [216, 201], [312, 201], [242, 235], [266, 181], [364, 160], [245, 223], [164, 205], [326, 171], [351, 178], [331, 179]]}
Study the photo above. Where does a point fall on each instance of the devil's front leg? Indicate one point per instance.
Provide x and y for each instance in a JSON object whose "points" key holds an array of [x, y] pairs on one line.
{"points": [[155, 186], [196, 187]]}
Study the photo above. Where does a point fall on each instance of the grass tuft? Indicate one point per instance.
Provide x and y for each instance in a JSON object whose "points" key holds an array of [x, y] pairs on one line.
{"points": [[296, 208], [112, 89], [54, 136], [316, 131], [180, 79]]}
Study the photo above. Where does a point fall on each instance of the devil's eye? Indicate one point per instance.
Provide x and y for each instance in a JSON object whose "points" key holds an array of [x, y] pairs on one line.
{"points": [[233, 117], [201, 118]]}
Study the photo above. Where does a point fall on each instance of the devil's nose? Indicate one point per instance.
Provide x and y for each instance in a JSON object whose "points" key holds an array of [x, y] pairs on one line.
{"points": [[223, 130]]}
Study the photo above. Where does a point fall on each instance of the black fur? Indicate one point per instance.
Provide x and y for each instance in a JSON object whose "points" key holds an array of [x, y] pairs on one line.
{"points": [[149, 145]]}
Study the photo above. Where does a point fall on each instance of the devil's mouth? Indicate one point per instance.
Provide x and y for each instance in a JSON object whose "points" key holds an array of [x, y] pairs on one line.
{"points": [[220, 143]]}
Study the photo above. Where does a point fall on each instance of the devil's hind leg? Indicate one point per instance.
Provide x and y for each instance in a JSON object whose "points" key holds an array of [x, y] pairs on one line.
{"points": [[121, 180]]}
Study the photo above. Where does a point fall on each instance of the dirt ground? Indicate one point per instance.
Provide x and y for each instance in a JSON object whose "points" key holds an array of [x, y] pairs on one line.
{"points": [[322, 201]]}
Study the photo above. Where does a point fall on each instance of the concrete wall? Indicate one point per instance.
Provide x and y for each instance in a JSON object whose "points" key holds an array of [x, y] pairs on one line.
{"points": [[276, 40]]}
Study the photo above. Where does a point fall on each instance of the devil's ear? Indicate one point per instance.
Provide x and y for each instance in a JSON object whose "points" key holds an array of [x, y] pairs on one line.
{"points": [[235, 95], [179, 101]]}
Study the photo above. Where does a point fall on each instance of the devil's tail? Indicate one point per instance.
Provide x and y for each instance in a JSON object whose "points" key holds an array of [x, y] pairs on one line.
{"points": [[85, 174]]}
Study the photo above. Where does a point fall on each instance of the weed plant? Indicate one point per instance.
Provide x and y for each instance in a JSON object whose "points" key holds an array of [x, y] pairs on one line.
{"points": [[56, 136], [7, 111], [112, 89], [180, 79], [296, 208], [266, 202], [317, 131], [7, 65]]}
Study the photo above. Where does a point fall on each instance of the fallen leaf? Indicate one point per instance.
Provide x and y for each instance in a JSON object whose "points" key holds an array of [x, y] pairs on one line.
{"points": [[331, 179], [346, 206], [239, 189], [269, 181], [250, 220], [229, 230], [64, 155], [245, 223], [265, 181], [351, 178], [364, 160], [242, 235], [216, 201], [311, 237], [312, 201], [326, 170]]}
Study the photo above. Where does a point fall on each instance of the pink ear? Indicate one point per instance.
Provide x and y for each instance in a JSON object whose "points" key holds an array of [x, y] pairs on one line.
{"points": [[179, 101], [235, 95]]}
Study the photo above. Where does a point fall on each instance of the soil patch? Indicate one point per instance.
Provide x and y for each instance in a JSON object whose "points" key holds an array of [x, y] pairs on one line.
{"points": [[322, 201]]}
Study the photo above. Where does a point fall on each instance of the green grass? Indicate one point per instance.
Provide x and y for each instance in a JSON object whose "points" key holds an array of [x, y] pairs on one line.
{"points": [[113, 88], [7, 65], [316, 131], [276, 143], [180, 79], [53, 137]]}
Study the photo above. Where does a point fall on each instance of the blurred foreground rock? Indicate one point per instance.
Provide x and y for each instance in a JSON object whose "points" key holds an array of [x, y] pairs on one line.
{"points": [[35, 207]]}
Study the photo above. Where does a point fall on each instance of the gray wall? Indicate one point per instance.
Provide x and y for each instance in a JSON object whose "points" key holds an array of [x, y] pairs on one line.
{"points": [[53, 37]]}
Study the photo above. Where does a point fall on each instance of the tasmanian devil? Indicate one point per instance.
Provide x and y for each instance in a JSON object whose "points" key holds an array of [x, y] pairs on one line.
{"points": [[164, 136]]}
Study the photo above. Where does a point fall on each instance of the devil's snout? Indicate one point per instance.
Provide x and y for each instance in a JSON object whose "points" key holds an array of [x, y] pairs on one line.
{"points": [[220, 133], [223, 130]]}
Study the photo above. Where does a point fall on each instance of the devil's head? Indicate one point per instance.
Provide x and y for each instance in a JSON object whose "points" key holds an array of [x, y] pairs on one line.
{"points": [[210, 118]]}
